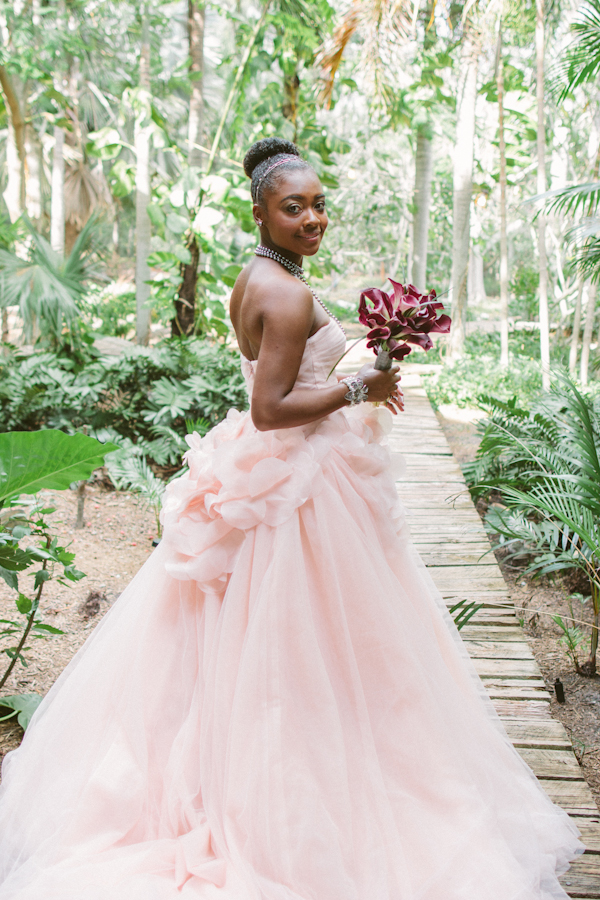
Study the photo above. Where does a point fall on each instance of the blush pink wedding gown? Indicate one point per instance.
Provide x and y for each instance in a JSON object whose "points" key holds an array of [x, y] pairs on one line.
{"points": [[278, 707]]}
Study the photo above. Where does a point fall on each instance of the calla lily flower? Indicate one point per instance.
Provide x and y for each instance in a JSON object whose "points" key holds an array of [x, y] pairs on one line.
{"points": [[401, 318]]}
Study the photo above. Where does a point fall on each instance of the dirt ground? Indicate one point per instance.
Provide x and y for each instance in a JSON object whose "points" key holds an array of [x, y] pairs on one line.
{"points": [[539, 599], [115, 541]]}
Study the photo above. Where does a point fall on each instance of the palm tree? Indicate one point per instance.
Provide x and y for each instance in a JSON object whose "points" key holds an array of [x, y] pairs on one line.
{"points": [[46, 287], [463, 180], [581, 65]]}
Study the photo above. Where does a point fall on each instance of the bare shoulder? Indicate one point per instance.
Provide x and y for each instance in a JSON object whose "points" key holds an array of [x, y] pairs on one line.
{"points": [[274, 295]]}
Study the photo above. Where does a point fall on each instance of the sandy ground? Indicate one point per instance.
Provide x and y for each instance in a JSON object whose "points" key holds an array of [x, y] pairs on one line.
{"points": [[115, 542]]}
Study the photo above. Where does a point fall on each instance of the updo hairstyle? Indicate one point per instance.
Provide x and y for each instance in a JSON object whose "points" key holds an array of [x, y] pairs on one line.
{"points": [[270, 152]]}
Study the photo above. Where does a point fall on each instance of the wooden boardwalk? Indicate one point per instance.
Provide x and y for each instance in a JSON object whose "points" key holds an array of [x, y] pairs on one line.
{"points": [[450, 537]]}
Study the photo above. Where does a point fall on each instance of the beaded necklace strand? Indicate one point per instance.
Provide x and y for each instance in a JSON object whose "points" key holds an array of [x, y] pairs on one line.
{"points": [[298, 272]]}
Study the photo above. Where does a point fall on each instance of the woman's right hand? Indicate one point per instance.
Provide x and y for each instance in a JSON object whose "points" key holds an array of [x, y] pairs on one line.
{"points": [[383, 386]]}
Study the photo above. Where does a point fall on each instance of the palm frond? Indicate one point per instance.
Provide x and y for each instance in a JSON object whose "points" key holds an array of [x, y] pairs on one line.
{"points": [[581, 63], [582, 199], [587, 260], [45, 286], [383, 25]]}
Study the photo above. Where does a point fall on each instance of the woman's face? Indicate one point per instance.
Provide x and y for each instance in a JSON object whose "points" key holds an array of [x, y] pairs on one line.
{"points": [[293, 213]]}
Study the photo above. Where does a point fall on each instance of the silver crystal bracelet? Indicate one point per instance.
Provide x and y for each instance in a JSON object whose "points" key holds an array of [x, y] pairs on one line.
{"points": [[357, 389]]}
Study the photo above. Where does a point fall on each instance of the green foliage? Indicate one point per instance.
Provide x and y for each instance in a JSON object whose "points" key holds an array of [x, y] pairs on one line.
{"points": [[22, 706], [573, 636], [463, 611], [38, 460], [129, 470], [544, 465], [46, 288], [115, 308], [581, 62], [143, 397], [27, 546], [478, 372]]}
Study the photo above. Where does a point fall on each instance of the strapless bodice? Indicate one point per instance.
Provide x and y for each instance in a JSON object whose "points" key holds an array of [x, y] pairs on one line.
{"points": [[322, 351]]}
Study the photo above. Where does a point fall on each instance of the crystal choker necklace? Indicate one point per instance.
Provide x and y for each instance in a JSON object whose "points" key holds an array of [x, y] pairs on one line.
{"points": [[298, 272]]}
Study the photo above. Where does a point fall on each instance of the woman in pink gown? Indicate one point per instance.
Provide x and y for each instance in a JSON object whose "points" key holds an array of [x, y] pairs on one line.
{"points": [[279, 707]]}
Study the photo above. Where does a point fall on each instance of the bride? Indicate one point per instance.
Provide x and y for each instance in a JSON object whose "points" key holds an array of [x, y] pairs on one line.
{"points": [[279, 706]]}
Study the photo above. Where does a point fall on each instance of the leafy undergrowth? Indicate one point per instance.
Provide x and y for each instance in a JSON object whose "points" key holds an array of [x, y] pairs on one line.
{"points": [[149, 397]]}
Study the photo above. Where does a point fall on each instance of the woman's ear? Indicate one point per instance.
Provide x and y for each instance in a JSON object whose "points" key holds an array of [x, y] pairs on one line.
{"points": [[258, 214]]}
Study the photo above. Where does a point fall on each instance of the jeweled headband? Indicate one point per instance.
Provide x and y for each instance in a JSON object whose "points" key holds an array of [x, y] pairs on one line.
{"points": [[279, 162]]}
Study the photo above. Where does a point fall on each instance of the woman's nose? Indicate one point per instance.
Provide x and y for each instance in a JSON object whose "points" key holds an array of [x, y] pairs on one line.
{"points": [[310, 216]]}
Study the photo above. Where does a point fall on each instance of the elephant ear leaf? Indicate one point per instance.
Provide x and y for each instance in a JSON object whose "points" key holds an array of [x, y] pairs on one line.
{"points": [[22, 705], [31, 461]]}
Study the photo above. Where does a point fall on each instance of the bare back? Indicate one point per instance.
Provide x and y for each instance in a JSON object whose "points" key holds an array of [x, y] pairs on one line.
{"points": [[264, 289]]}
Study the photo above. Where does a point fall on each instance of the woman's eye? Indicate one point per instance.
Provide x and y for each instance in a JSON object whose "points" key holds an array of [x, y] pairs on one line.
{"points": [[320, 206], [293, 209]]}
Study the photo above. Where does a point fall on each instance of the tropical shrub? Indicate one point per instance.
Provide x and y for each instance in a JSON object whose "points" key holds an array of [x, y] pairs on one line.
{"points": [[478, 372], [47, 287], [544, 466], [145, 396]]}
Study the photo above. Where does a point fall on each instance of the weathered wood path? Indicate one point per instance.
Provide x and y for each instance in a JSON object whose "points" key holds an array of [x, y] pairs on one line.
{"points": [[450, 537]]}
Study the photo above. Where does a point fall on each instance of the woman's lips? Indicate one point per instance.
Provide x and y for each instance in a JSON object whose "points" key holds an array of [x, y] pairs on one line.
{"points": [[311, 237]]}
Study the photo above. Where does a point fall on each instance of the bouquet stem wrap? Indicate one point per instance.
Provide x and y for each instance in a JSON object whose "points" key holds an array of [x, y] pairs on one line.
{"points": [[383, 361]]}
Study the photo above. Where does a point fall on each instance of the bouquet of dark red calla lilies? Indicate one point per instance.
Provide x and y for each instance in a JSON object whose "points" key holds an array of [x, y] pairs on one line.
{"points": [[400, 319]]}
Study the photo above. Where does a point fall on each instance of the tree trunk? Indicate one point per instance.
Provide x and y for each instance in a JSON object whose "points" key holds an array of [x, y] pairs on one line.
{"points": [[185, 305], [503, 218], [588, 332], [33, 176], [57, 200], [183, 322], [196, 48], [576, 329], [463, 187], [475, 280], [291, 87], [14, 194], [541, 189], [142, 190], [421, 204]]}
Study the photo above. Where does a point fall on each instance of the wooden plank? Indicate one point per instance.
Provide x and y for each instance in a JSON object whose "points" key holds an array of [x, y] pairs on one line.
{"points": [[559, 765], [535, 710], [519, 691], [483, 577], [482, 633], [466, 555], [590, 836], [531, 733], [524, 669], [498, 649], [498, 600], [572, 796], [580, 886]]}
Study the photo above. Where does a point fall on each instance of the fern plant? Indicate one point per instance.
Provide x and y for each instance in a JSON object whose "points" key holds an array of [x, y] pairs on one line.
{"points": [[545, 467], [130, 471]]}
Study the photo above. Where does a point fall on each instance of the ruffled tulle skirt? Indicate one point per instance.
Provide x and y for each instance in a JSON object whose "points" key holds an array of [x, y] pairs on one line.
{"points": [[278, 707]]}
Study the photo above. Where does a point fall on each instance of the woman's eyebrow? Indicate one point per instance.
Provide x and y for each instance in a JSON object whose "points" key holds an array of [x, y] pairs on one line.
{"points": [[299, 197]]}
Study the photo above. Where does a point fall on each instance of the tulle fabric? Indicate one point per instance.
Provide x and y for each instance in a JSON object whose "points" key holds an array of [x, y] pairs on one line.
{"points": [[278, 707]]}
